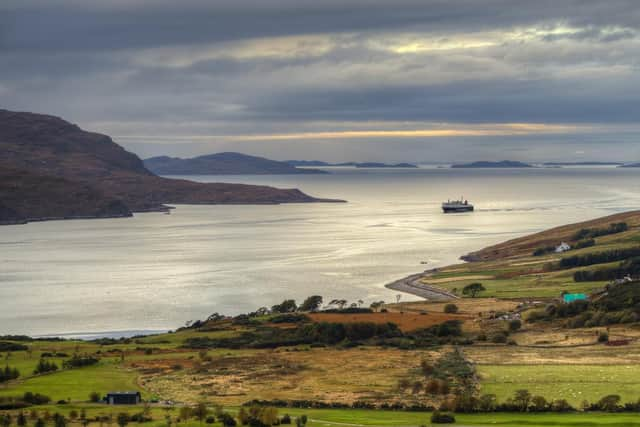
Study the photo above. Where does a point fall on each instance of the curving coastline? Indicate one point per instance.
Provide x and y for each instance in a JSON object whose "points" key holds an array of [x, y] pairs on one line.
{"points": [[412, 285]]}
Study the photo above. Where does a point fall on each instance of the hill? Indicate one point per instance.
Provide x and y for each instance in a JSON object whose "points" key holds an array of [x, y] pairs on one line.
{"points": [[488, 164], [223, 164], [631, 165], [54, 169]]}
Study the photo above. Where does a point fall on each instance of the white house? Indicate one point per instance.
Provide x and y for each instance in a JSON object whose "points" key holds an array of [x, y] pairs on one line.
{"points": [[563, 247]]}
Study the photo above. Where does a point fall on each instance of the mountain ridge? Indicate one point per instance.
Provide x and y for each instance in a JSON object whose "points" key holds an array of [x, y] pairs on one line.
{"points": [[224, 163]]}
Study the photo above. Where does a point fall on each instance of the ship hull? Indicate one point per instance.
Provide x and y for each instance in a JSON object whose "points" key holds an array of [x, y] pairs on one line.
{"points": [[457, 209]]}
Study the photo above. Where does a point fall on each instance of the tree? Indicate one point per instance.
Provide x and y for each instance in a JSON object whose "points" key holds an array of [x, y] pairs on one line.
{"points": [[450, 308], [539, 403], [301, 421], [200, 411], [339, 302], [522, 398], [59, 420], [473, 289], [376, 305], [21, 419], [609, 403], [122, 419], [287, 306], [312, 303], [5, 420], [487, 402]]}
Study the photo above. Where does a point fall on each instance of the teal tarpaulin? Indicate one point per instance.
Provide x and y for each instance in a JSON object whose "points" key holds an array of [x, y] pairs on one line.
{"points": [[573, 297]]}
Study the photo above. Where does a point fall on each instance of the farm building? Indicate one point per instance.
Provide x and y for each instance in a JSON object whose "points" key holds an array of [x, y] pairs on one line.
{"points": [[567, 298], [563, 247], [123, 398]]}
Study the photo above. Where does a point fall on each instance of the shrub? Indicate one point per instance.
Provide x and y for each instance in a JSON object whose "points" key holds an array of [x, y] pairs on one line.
{"points": [[8, 374], [94, 396], [78, 361], [45, 366], [499, 338], [514, 325], [450, 308], [603, 337], [442, 418]]}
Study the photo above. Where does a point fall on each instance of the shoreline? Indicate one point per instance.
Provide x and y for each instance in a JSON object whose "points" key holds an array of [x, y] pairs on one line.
{"points": [[411, 285]]}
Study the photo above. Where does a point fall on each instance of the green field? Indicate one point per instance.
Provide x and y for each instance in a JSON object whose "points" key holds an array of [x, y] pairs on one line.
{"points": [[77, 384], [574, 383], [362, 417]]}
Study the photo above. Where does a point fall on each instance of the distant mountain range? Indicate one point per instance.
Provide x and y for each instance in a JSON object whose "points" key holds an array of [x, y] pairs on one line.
{"points": [[318, 163], [490, 164], [223, 164], [630, 165], [52, 169]]}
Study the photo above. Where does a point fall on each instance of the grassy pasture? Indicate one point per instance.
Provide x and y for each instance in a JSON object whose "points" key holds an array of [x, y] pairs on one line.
{"points": [[574, 383]]}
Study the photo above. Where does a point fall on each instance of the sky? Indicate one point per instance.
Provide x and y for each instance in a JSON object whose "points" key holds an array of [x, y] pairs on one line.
{"points": [[336, 80]]}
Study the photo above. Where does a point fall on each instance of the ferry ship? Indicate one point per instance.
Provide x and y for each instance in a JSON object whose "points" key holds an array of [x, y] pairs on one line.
{"points": [[451, 206]]}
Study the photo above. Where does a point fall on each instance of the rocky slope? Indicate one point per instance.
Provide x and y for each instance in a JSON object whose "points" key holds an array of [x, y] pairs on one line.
{"points": [[53, 169], [223, 164]]}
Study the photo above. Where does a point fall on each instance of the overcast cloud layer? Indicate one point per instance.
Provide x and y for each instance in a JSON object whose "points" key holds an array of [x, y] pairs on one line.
{"points": [[335, 80]]}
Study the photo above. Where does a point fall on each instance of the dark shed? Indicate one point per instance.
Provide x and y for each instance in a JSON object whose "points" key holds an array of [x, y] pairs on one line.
{"points": [[123, 398]]}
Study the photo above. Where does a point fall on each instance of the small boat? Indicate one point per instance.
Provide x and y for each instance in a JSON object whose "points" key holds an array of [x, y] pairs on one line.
{"points": [[452, 206]]}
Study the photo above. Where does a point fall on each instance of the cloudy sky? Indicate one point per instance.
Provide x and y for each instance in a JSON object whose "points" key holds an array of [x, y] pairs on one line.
{"points": [[394, 80]]}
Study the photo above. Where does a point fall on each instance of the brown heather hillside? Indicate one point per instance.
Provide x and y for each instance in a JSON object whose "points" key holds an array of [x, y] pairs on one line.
{"points": [[524, 246], [93, 173]]}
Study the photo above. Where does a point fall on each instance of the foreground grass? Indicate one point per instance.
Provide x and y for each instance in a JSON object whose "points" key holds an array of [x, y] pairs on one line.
{"points": [[363, 417]]}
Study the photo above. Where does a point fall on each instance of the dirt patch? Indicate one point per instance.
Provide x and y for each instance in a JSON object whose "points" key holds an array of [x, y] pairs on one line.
{"points": [[405, 321]]}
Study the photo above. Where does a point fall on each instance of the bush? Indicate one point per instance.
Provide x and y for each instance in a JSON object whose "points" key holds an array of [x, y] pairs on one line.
{"points": [[603, 337], [8, 374], [515, 325], [45, 366], [94, 397], [36, 398], [442, 418], [11, 346], [499, 338], [450, 308], [78, 361], [210, 419]]}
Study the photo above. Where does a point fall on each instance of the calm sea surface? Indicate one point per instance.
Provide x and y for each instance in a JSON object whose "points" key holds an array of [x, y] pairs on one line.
{"points": [[156, 271]]}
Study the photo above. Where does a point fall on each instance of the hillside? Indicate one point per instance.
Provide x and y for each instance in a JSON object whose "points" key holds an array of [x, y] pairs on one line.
{"points": [[499, 164], [223, 164], [524, 246], [599, 251], [54, 169], [23, 195]]}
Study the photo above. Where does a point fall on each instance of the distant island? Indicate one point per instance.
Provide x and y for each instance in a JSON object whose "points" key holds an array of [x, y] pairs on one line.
{"points": [[490, 164], [52, 169], [228, 163], [318, 163], [630, 165], [582, 164]]}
